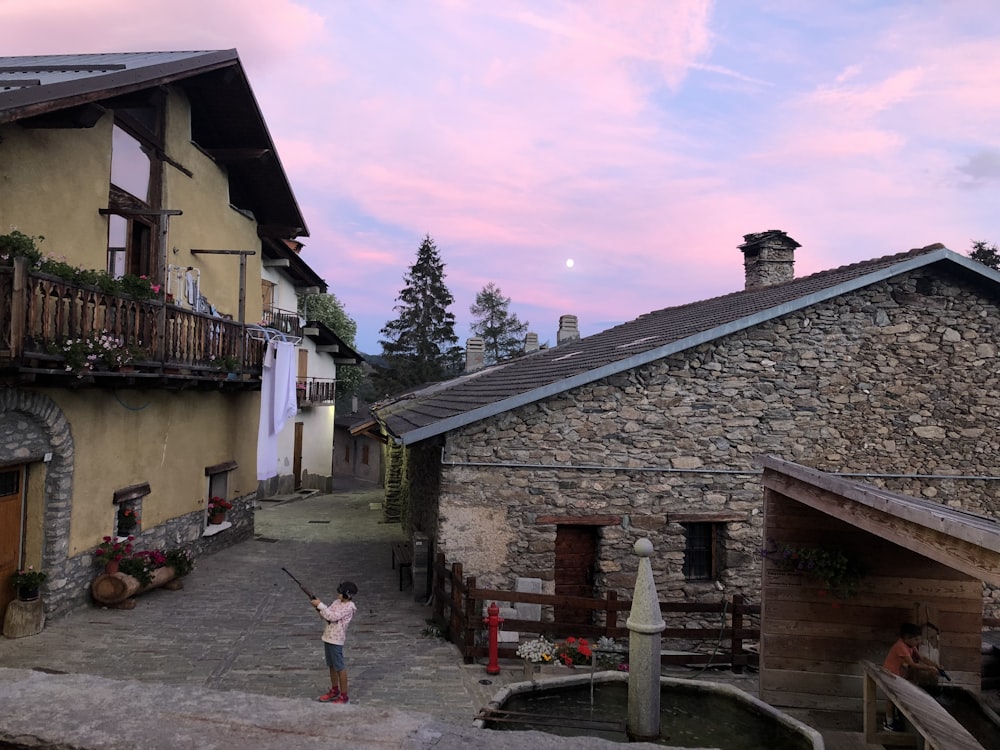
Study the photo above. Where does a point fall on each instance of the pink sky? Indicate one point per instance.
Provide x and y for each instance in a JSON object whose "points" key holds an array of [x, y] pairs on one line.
{"points": [[642, 139]]}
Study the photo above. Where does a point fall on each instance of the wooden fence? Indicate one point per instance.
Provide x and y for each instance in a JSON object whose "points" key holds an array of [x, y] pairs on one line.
{"points": [[458, 610]]}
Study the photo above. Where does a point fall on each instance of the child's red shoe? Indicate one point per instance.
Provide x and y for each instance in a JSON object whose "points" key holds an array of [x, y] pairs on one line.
{"points": [[331, 696], [342, 698]]}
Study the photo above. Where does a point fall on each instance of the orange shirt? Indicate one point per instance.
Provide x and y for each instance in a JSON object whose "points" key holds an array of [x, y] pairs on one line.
{"points": [[896, 661]]}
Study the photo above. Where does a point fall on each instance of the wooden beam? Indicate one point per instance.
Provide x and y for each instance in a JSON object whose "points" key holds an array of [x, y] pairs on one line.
{"points": [[134, 492], [580, 520], [219, 468], [276, 262], [710, 517]]}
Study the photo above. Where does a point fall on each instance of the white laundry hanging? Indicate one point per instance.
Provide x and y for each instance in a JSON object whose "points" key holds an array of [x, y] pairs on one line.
{"points": [[277, 403]]}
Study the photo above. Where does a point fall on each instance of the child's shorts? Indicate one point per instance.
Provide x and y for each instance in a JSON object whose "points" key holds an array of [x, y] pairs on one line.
{"points": [[334, 656]]}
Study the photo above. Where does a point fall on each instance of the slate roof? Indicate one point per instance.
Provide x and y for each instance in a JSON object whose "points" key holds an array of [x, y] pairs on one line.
{"points": [[73, 90], [446, 406]]}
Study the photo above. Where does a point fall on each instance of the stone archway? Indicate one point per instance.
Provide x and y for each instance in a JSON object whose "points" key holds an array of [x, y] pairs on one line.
{"points": [[33, 426]]}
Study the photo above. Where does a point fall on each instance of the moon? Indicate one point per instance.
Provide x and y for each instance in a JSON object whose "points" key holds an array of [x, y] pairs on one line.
{"points": [[569, 263]]}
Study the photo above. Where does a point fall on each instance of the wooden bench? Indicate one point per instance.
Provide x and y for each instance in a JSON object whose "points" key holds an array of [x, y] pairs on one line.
{"points": [[933, 727], [402, 555]]}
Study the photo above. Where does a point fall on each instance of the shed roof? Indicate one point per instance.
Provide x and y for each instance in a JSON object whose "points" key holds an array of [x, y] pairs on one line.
{"points": [[443, 407], [73, 90], [962, 540]]}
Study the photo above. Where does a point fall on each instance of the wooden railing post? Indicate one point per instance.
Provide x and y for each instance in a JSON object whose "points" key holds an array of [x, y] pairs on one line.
{"points": [[439, 566], [473, 618], [610, 614], [456, 621], [736, 639], [18, 307]]}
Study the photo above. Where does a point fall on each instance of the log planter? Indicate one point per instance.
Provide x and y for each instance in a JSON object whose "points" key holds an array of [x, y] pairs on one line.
{"points": [[112, 589]]}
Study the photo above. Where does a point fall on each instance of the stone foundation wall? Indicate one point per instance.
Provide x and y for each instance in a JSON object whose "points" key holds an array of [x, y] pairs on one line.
{"points": [[900, 378]]}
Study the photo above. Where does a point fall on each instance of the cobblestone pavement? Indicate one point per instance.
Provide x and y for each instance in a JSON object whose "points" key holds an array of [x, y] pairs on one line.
{"points": [[241, 624]]}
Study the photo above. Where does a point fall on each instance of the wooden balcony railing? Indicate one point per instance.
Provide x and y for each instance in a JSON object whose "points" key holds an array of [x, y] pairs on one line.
{"points": [[285, 321], [39, 313], [316, 391]]}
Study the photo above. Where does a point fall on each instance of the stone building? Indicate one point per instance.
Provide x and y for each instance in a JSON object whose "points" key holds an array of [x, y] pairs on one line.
{"points": [[553, 464]]}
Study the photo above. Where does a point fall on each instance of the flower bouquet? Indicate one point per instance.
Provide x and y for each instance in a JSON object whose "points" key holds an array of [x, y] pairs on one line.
{"points": [[181, 560], [573, 651], [537, 651]]}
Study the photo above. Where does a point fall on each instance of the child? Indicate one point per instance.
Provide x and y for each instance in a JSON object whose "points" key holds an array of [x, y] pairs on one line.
{"points": [[338, 616], [904, 660]]}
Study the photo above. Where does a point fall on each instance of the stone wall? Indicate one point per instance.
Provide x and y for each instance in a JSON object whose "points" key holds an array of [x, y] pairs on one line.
{"points": [[898, 381]]}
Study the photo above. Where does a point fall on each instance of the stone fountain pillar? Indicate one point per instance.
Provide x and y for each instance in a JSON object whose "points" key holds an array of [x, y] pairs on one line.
{"points": [[645, 623]]}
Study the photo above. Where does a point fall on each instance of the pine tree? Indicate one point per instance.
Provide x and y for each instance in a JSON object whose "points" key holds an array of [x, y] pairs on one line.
{"points": [[501, 331], [420, 345], [988, 255], [329, 310]]}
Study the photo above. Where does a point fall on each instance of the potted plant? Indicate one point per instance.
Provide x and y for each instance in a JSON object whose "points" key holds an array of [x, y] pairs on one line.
{"points": [[217, 508], [111, 551], [535, 653], [127, 520], [95, 351], [838, 573], [181, 560], [27, 582], [573, 651]]}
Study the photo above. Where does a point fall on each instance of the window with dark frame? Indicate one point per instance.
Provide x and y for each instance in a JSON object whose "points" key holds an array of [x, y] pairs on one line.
{"points": [[364, 454], [700, 551], [134, 193], [128, 509], [347, 453]]}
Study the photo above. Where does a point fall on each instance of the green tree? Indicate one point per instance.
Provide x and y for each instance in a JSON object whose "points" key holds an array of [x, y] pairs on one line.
{"points": [[988, 255], [329, 310], [420, 346], [501, 331]]}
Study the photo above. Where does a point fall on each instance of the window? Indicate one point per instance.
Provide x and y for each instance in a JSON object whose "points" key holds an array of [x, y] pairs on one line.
{"points": [[364, 454], [267, 294], [347, 453], [133, 197], [700, 551], [128, 509]]}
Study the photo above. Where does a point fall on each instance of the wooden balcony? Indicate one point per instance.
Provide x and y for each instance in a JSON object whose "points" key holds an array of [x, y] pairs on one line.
{"points": [[316, 392], [174, 347]]}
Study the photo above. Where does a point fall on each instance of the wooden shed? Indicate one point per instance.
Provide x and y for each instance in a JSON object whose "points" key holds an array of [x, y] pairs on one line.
{"points": [[924, 562]]}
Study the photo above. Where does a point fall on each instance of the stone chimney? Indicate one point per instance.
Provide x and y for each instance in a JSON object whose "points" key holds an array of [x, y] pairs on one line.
{"points": [[531, 343], [568, 330], [475, 348], [768, 258]]}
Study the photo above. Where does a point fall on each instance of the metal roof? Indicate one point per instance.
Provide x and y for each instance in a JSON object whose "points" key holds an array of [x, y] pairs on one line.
{"points": [[226, 121], [446, 406]]}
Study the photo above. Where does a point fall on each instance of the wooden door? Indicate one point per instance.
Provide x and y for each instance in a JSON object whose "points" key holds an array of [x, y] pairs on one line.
{"points": [[297, 456], [11, 530], [576, 559]]}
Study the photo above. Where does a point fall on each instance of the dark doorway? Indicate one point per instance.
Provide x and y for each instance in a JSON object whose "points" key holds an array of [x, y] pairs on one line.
{"points": [[576, 558]]}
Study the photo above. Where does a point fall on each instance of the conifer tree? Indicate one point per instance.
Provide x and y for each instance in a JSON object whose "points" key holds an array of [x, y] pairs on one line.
{"points": [[501, 331], [420, 346], [988, 255]]}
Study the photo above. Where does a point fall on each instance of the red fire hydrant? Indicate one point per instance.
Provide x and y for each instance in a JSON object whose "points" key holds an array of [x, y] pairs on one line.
{"points": [[493, 620]]}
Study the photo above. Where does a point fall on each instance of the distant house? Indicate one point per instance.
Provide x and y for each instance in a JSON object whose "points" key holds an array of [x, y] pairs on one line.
{"points": [[304, 457], [552, 465], [158, 169], [357, 443]]}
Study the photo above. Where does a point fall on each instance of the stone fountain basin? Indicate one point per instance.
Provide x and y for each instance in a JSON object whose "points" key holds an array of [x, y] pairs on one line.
{"points": [[805, 737]]}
